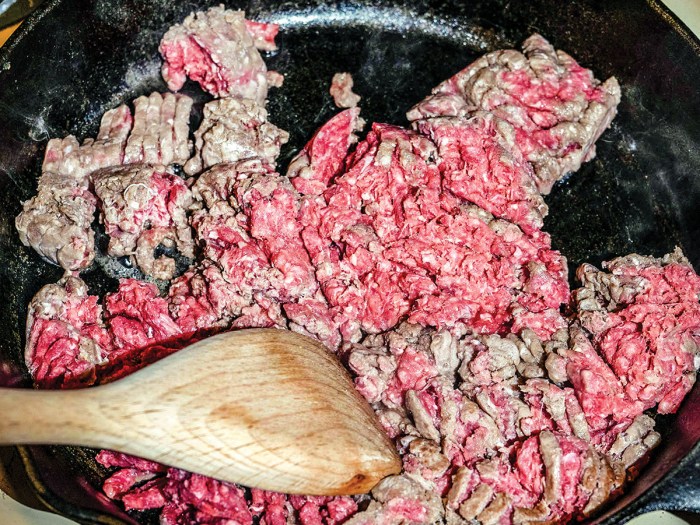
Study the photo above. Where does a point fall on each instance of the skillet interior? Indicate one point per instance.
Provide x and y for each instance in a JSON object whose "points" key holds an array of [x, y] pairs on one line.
{"points": [[637, 195]]}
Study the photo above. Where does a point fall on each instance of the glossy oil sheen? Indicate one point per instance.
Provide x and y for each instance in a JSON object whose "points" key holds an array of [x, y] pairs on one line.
{"points": [[75, 59]]}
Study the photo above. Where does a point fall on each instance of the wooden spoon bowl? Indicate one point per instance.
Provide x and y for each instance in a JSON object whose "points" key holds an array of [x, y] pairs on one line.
{"points": [[266, 408]]}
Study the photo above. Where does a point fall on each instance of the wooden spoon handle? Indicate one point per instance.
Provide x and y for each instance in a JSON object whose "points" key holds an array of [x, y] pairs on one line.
{"points": [[46, 417]]}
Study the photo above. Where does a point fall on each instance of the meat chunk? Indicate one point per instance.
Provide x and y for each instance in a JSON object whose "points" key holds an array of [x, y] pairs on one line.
{"points": [[323, 156], [215, 49], [234, 130], [644, 317], [263, 34], [389, 242], [341, 91], [138, 317], [635, 441], [69, 158], [66, 335], [398, 500], [480, 163], [557, 107], [56, 222], [143, 206], [598, 389], [160, 134]]}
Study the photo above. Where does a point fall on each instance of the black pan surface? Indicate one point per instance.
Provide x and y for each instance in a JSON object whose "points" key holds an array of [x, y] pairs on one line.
{"points": [[74, 59]]}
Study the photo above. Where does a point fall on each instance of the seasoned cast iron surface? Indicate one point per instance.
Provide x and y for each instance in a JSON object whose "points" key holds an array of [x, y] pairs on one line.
{"points": [[75, 59]]}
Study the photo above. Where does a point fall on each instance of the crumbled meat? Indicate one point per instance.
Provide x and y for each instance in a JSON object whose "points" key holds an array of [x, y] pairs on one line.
{"points": [[389, 242], [233, 130], [137, 316], [480, 163], [557, 107], [398, 500], [67, 157], [56, 221], [66, 335], [215, 49], [635, 441], [263, 34], [141, 206], [341, 91], [323, 156], [598, 389], [191, 498], [160, 134], [644, 318], [419, 257]]}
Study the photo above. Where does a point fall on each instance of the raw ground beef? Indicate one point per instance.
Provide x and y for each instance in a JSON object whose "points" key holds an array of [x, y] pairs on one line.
{"points": [[480, 163], [389, 241], [418, 257], [66, 335], [341, 91], [324, 155], [216, 49], [644, 318], [235, 129], [557, 107]]}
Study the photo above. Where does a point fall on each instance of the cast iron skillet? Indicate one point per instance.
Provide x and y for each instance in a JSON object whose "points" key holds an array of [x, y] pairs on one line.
{"points": [[74, 59]]}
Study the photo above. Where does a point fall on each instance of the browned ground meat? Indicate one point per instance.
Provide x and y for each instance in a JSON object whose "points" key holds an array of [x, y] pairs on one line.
{"points": [[67, 157], [341, 91], [160, 134], [56, 221], [557, 107], [142, 206], [235, 129], [215, 49]]}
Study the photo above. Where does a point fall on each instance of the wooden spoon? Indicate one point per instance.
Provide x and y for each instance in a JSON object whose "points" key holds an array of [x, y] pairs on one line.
{"points": [[262, 407]]}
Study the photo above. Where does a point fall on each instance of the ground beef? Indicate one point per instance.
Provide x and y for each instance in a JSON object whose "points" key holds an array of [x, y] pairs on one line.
{"points": [[557, 107], [341, 91], [215, 49], [418, 257], [160, 134], [324, 155], [232, 130], [644, 319], [388, 241], [481, 163], [67, 157], [56, 221], [66, 335], [143, 206]]}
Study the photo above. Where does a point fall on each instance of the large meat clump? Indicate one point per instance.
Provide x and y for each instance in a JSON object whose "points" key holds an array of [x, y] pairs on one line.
{"points": [[57, 221], [416, 255], [388, 241], [232, 130], [217, 49], [557, 107]]}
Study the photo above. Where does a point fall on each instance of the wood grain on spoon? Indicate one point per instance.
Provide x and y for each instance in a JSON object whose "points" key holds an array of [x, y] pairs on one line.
{"points": [[262, 407]]}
